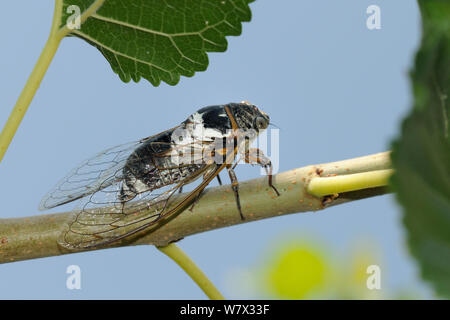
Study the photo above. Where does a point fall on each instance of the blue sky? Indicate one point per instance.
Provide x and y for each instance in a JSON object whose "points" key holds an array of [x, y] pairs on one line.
{"points": [[336, 89]]}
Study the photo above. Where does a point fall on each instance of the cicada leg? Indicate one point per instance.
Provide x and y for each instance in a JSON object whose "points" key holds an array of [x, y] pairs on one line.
{"points": [[256, 156], [235, 187], [219, 180]]}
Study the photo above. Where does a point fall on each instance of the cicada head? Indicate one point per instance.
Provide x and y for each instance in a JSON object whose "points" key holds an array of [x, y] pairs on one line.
{"points": [[249, 116]]}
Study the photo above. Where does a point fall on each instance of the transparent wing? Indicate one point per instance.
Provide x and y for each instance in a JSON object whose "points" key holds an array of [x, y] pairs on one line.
{"points": [[99, 172], [94, 224], [96, 173]]}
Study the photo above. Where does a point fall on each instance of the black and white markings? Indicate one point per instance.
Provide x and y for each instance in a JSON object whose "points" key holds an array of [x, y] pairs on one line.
{"points": [[129, 188]]}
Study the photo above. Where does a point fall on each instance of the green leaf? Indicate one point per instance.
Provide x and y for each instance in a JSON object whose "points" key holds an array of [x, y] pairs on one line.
{"points": [[160, 40], [421, 156]]}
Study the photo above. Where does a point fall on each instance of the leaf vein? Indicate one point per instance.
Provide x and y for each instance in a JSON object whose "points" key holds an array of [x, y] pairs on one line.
{"points": [[81, 34]]}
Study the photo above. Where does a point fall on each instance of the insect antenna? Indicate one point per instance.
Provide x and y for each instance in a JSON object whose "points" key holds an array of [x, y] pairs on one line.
{"points": [[273, 124]]}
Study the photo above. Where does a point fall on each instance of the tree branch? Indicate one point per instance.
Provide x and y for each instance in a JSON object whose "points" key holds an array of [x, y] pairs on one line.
{"points": [[36, 236]]}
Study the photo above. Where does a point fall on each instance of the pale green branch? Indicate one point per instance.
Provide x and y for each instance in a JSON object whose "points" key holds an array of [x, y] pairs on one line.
{"points": [[36, 236]]}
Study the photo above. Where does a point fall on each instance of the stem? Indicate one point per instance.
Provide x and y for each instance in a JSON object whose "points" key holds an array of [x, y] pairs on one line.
{"points": [[86, 14], [194, 272], [322, 186], [32, 83], [39, 70]]}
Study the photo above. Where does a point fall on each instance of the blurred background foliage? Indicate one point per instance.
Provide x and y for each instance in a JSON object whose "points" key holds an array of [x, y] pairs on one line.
{"points": [[308, 268], [421, 153]]}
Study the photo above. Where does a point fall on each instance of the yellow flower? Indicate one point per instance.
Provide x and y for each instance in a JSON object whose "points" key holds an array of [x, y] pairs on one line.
{"points": [[297, 271]]}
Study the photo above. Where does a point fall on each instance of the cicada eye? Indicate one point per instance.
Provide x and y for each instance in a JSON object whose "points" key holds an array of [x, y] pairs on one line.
{"points": [[261, 123]]}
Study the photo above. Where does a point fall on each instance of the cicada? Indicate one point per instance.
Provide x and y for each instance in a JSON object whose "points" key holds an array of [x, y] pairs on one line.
{"points": [[130, 188]]}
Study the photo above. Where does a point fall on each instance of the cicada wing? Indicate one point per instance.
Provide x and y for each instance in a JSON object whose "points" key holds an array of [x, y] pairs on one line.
{"points": [[92, 226], [105, 168], [96, 173], [99, 172]]}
